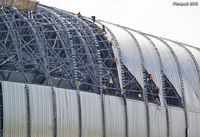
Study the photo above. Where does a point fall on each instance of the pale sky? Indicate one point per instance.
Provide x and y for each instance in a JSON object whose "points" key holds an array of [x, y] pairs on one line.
{"points": [[158, 17]]}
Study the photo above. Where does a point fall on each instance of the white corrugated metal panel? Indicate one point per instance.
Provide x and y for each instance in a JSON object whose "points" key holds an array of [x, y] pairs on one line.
{"points": [[196, 54], [151, 60], [130, 53], [176, 122], [194, 123], [190, 76], [136, 119], [41, 111], [67, 113], [91, 114], [115, 116], [14, 110], [193, 103], [169, 64], [198, 124], [158, 124]]}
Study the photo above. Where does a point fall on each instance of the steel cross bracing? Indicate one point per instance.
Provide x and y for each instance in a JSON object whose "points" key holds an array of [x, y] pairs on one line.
{"points": [[107, 55], [20, 32], [44, 50], [40, 47], [86, 53], [13, 46], [48, 46], [33, 58], [55, 52]]}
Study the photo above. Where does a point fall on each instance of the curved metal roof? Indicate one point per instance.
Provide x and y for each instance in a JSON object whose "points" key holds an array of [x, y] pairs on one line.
{"points": [[55, 47]]}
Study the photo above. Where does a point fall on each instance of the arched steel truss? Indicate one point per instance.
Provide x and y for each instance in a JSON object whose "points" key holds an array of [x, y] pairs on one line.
{"points": [[53, 47]]}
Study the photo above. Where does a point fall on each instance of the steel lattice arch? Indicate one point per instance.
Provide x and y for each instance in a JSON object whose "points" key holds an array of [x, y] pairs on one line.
{"points": [[67, 75]]}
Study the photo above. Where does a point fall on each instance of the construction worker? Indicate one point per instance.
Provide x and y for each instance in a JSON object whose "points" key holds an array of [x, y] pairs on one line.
{"points": [[156, 98], [153, 90], [110, 39], [114, 82], [103, 29], [150, 77], [78, 83], [93, 18], [114, 62], [117, 93], [104, 88], [150, 82], [78, 14]]}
